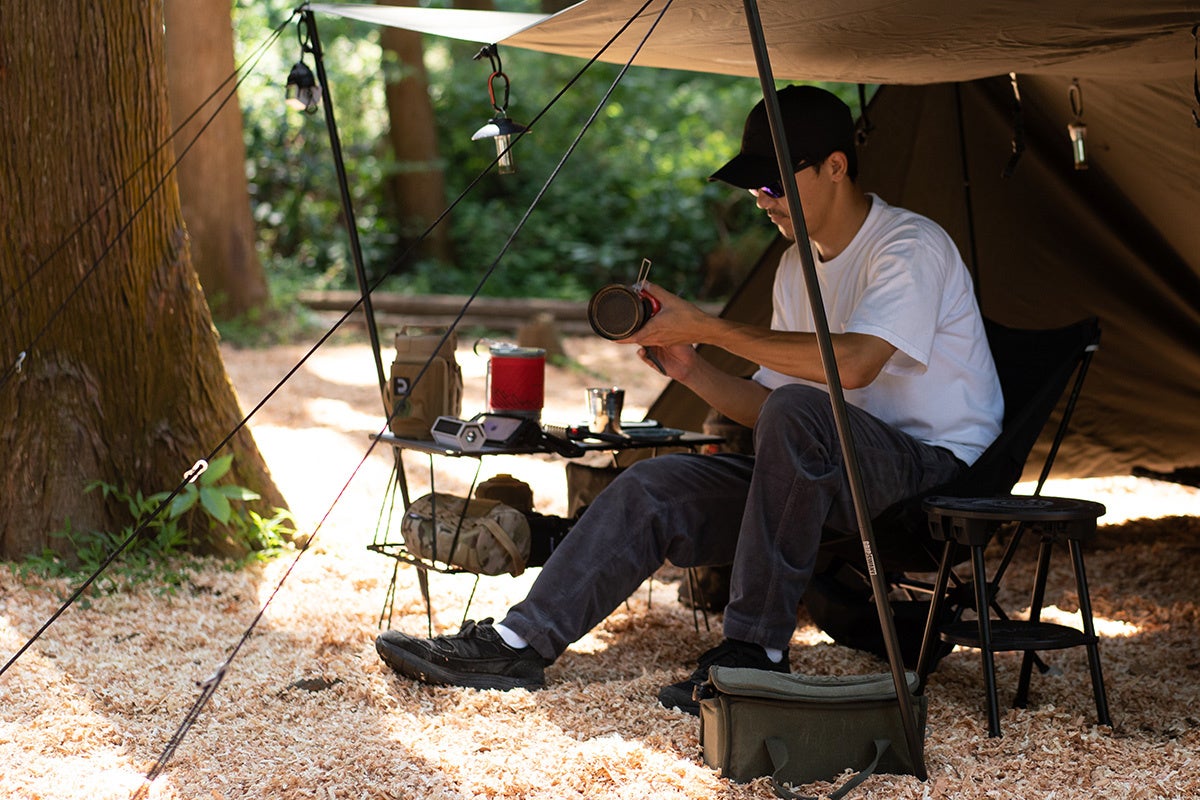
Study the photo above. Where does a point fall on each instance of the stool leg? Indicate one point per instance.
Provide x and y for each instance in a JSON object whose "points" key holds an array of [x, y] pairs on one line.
{"points": [[1089, 629], [1035, 614], [985, 640], [930, 639]]}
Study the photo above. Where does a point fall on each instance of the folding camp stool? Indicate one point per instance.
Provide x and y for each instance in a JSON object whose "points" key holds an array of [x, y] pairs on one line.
{"points": [[971, 522]]}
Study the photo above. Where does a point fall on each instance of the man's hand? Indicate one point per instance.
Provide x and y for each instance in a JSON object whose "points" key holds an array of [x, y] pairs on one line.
{"points": [[676, 362], [677, 321]]}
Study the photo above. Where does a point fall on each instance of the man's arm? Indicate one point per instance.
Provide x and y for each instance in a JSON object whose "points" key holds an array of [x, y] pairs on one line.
{"points": [[860, 357]]}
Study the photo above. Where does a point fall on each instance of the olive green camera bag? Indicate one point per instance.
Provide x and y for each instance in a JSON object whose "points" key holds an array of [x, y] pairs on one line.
{"points": [[805, 728]]}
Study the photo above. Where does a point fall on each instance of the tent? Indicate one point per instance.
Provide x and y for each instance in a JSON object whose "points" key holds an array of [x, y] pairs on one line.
{"points": [[969, 87]]}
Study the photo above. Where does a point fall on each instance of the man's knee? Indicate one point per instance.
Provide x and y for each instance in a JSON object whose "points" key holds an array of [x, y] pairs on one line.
{"points": [[643, 483], [797, 414]]}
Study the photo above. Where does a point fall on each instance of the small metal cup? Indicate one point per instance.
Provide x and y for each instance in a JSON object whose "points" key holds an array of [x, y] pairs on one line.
{"points": [[605, 404]]}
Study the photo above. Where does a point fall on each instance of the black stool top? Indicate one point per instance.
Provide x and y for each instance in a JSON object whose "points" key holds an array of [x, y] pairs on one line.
{"points": [[1015, 507]]}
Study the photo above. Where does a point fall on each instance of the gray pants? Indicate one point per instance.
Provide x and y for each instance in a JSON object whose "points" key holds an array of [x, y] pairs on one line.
{"points": [[762, 513]]}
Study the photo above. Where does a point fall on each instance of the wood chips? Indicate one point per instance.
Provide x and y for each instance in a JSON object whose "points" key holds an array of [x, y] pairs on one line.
{"points": [[307, 710]]}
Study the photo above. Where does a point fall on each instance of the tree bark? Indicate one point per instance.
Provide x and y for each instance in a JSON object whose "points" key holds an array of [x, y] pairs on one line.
{"points": [[419, 184], [212, 174], [122, 378]]}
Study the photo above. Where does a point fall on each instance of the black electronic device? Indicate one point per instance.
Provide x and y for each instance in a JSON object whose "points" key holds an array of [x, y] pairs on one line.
{"points": [[511, 430]]}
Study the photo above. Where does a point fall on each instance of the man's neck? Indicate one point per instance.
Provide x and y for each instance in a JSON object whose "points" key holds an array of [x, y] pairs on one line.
{"points": [[851, 208]]}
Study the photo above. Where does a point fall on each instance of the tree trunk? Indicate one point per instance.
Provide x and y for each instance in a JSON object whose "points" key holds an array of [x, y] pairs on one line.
{"points": [[212, 175], [419, 184], [122, 379]]}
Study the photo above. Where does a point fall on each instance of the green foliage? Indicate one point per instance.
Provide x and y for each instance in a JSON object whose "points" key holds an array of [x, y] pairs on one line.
{"points": [[213, 498], [293, 183], [284, 320], [634, 188], [162, 553]]}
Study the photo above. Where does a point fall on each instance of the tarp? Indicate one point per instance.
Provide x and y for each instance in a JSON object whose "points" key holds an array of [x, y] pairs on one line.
{"points": [[856, 41], [1048, 244]]}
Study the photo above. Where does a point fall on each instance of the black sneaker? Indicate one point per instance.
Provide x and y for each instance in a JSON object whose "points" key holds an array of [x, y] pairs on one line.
{"points": [[729, 653], [475, 657]]}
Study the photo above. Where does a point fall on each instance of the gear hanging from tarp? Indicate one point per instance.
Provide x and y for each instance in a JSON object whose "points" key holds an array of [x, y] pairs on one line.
{"points": [[1018, 128]]}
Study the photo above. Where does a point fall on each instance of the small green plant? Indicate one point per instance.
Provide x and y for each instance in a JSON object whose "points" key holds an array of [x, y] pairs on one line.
{"points": [[162, 553], [213, 499]]}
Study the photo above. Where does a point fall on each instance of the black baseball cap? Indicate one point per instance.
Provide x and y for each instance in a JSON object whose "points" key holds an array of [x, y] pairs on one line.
{"points": [[816, 123]]}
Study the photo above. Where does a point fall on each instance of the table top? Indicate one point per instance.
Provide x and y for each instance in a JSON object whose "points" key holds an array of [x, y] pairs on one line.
{"points": [[633, 439]]}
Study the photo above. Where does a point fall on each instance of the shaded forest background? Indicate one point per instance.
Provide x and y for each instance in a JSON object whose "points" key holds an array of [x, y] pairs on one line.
{"points": [[635, 188], [190, 205]]}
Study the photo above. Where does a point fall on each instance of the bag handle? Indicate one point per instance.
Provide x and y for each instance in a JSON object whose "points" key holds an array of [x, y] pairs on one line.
{"points": [[777, 750], [507, 543]]}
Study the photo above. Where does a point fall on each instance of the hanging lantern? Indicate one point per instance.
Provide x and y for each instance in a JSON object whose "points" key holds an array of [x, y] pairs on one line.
{"points": [[499, 128], [1077, 130]]}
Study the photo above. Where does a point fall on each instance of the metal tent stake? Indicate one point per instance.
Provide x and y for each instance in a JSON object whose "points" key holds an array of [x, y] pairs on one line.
{"points": [[829, 364]]}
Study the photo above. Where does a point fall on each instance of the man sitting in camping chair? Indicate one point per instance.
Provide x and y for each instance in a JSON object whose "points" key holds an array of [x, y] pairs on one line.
{"points": [[923, 401]]}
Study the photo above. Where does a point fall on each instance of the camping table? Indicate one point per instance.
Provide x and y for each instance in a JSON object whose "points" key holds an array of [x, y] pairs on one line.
{"points": [[641, 439]]}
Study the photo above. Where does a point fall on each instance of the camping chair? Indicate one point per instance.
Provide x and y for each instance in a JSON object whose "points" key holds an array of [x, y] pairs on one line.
{"points": [[970, 519], [1034, 367]]}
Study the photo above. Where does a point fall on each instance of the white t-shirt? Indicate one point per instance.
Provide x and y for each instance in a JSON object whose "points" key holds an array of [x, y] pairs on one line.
{"points": [[901, 279]]}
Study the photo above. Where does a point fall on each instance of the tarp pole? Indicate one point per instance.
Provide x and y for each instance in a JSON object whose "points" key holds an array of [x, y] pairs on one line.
{"points": [[964, 163], [335, 145], [829, 364]]}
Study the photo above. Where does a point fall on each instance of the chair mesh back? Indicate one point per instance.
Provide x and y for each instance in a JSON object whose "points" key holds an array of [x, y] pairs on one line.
{"points": [[1034, 368]]}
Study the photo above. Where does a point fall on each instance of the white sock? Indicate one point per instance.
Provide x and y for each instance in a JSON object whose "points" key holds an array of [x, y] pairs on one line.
{"points": [[775, 655], [513, 639]]}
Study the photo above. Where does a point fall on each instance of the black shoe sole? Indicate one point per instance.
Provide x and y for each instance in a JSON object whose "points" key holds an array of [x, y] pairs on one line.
{"points": [[673, 697], [413, 666]]}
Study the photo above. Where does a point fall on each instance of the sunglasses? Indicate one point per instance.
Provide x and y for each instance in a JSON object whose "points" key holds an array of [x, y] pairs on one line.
{"points": [[775, 190]]}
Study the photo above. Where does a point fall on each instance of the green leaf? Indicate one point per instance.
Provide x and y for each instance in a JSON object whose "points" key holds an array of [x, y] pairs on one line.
{"points": [[216, 469], [236, 492], [153, 501], [216, 504], [183, 502]]}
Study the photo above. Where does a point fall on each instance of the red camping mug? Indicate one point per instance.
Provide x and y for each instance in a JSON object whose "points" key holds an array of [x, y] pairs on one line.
{"points": [[516, 380]]}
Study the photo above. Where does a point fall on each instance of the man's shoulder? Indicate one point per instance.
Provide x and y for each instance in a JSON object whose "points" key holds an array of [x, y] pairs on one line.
{"points": [[901, 230], [897, 219]]}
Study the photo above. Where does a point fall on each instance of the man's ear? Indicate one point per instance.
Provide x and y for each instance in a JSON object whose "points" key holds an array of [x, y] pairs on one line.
{"points": [[838, 164]]}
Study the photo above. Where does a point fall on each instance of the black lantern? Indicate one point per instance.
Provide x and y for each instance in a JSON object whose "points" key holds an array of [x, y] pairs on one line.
{"points": [[303, 93]]}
